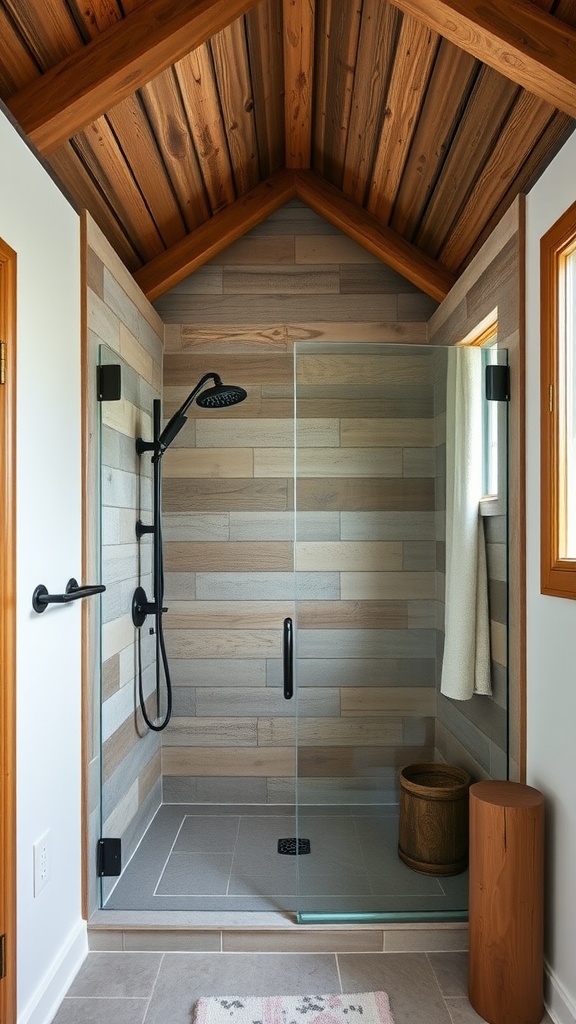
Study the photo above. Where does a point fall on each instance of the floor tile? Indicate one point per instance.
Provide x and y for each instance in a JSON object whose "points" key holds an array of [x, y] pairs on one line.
{"points": [[451, 970], [406, 977], [462, 1013], [185, 977], [101, 1011], [207, 834], [196, 874], [125, 974]]}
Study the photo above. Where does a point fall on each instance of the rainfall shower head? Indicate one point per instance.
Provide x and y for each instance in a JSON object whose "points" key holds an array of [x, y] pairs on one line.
{"points": [[218, 397]]}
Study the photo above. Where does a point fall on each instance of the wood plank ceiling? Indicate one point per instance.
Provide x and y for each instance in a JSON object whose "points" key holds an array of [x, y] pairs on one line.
{"points": [[411, 125]]}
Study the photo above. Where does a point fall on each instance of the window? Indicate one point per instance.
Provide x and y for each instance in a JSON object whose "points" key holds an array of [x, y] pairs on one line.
{"points": [[558, 407], [494, 421]]}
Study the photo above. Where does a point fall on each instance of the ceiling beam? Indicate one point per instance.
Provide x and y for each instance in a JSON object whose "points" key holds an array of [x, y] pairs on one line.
{"points": [[298, 36], [515, 37], [115, 64], [181, 259], [427, 274]]}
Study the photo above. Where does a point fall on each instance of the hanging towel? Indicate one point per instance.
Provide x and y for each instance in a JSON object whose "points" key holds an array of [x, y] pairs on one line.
{"points": [[466, 662]]}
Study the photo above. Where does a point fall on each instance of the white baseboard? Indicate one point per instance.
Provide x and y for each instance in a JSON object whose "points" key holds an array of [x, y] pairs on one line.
{"points": [[42, 1006], [559, 1003]]}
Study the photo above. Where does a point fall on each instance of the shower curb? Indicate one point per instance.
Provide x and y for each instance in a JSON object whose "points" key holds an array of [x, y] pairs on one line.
{"points": [[265, 933]]}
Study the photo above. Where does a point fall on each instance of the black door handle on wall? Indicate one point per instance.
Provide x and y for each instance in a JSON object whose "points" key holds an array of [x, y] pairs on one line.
{"points": [[287, 655]]}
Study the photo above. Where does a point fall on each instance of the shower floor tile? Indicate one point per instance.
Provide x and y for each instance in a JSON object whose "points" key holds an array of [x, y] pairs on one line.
{"points": [[225, 858]]}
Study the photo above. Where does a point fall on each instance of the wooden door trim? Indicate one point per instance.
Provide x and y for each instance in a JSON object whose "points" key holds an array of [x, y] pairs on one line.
{"points": [[8, 630]]}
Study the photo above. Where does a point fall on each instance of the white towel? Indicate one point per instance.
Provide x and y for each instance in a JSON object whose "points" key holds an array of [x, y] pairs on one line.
{"points": [[466, 663]]}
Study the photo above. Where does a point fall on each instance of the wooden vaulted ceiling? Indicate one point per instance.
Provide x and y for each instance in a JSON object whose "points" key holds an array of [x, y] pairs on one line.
{"points": [[180, 124]]}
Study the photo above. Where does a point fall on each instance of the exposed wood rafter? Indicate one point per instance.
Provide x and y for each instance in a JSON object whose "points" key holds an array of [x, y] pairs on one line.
{"points": [[172, 266], [515, 37], [112, 66], [298, 16], [383, 242]]}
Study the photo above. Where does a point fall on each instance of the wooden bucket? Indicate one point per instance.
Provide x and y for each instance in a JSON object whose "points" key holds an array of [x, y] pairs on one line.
{"points": [[433, 824]]}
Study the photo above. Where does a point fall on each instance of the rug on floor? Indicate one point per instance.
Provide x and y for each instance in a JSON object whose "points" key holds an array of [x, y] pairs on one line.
{"points": [[361, 1008]]}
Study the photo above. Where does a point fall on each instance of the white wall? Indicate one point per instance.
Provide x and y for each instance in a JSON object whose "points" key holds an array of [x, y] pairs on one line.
{"points": [[551, 626], [40, 225]]}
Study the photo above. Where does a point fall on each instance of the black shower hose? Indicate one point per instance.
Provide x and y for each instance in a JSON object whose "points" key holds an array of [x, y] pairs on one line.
{"points": [[161, 656]]}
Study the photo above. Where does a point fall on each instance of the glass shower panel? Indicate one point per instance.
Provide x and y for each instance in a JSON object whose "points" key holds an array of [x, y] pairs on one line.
{"points": [[130, 783], [370, 490]]}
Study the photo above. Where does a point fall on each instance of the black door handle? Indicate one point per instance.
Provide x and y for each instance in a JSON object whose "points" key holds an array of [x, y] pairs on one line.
{"points": [[287, 654]]}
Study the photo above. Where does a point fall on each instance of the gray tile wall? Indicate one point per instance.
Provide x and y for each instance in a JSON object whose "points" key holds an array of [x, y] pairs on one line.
{"points": [[365, 545]]}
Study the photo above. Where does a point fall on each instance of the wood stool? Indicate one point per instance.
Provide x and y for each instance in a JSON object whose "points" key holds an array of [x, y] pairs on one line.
{"points": [[506, 915]]}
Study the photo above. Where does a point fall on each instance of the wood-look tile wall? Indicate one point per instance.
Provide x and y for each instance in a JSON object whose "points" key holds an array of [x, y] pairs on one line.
{"points": [[365, 541], [122, 328], [473, 734]]}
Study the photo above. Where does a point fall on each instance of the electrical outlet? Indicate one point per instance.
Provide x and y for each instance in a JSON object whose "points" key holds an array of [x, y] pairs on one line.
{"points": [[41, 850]]}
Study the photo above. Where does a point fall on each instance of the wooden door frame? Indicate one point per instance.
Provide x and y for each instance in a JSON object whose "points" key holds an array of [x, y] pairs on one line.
{"points": [[8, 632]]}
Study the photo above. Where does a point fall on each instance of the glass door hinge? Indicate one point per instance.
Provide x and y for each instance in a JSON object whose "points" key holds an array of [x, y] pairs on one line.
{"points": [[2, 362], [2, 956]]}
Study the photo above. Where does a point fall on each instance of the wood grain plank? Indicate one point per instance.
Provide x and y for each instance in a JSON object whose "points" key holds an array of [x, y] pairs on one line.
{"points": [[163, 103], [132, 129], [399, 700], [212, 732], [352, 615], [100, 152], [362, 227], [527, 120], [549, 143], [218, 463], [342, 556], [17, 66], [231, 556], [111, 67], [376, 45], [406, 432], [447, 92], [254, 369], [224, 643], [362, 494], [230, 55], [385, 586], [333, 462], [478, 129], [520, 41], [264, 32], [320, 93], [228, 761], [197, 82], [343, 30], [330, 732], [229, 614], [96, 16], [51, 37], [413, 60], [72, 171], [230, 495], [172, 266], [298, 37]]}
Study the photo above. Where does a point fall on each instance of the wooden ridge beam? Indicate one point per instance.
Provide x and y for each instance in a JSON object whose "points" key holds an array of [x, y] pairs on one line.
{"points": [[115, 64], [423, 271], [515, 37], [225, 227], [298, 36]]}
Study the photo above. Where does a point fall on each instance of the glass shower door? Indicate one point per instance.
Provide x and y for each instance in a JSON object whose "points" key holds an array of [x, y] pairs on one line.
{"points": [[370, 467]]}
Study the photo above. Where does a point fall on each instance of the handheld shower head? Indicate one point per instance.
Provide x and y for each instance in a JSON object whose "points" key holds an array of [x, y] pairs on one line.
{"points": [[218, 397]]}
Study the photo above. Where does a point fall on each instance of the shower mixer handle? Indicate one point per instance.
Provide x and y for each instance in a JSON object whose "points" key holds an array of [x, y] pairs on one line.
{"points": [[142, 607]]}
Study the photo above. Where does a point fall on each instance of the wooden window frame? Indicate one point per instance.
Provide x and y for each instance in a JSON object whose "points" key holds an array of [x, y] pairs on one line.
{"points": [[558, 575]]}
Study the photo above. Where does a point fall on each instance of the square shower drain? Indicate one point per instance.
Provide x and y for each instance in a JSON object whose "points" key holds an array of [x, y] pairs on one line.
{"points": [[294, 846]]}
